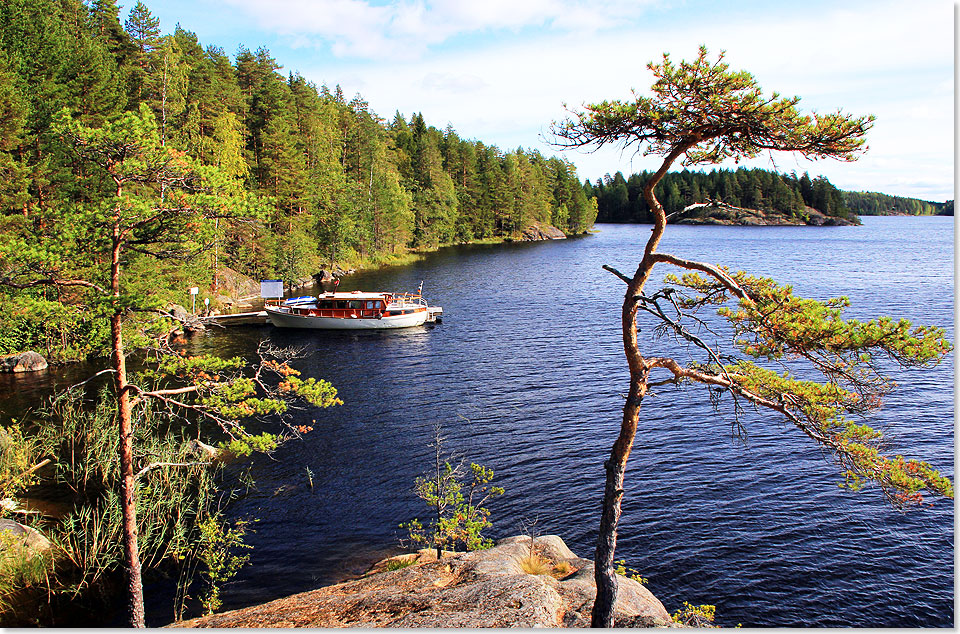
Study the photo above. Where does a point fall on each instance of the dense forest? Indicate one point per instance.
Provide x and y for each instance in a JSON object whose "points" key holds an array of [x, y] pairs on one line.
{"points": [[344, 185], [136, 164], [877, 204], [621, 200]]}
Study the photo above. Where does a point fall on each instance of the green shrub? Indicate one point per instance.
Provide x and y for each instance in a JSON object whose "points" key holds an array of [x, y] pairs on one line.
{"points": [[695, 615]]}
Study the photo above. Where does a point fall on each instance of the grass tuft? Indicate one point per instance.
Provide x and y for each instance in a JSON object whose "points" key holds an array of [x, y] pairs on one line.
{"points": [[536, 565]]}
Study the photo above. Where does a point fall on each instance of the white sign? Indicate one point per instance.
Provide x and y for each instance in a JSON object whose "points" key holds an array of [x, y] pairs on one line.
{"points": [[271, 289], [194, 290]]}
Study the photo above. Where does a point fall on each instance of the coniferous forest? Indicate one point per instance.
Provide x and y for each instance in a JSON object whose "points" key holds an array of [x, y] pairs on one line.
{"points": [[877, 204], [621, 200], [344, 184], [136, 163]]}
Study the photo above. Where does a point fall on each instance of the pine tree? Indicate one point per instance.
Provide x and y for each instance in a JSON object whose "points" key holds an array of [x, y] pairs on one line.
{"points": [[767, 321], [144, 32]]}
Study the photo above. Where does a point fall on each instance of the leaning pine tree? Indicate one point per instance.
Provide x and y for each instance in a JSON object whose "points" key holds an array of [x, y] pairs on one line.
{"points": [[701, 112]]}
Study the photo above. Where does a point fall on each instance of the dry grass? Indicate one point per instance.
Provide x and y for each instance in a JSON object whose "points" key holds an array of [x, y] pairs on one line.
{"points": [[534, 564], [537, 564], [562, 569]]}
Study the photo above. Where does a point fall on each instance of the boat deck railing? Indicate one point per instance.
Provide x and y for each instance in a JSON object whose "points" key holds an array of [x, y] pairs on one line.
{"points": [[408, 299]]}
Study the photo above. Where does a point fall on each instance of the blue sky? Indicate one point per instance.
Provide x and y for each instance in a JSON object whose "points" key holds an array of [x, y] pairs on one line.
{"points": [[499, 71]]}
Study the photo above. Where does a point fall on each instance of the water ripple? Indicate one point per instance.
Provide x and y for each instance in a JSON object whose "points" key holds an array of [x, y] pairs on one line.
{"points": [[526, 374]]}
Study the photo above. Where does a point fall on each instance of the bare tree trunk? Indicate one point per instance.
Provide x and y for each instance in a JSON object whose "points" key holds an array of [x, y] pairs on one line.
{"points": [[216, 257], [615, 466], [163, 102], [127, 499], [128, 503]]}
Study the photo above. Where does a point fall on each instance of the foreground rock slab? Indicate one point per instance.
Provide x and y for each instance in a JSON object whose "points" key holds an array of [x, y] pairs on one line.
{"points": [[487, 588]]}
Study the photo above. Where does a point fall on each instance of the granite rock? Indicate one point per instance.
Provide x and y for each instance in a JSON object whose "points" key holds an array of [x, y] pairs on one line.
{"points": [[487, 588]]}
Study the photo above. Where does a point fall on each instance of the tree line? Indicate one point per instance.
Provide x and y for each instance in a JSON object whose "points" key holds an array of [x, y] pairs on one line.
{"points": [[877, 204], [620, 199], [332, 182], [344, 184]]}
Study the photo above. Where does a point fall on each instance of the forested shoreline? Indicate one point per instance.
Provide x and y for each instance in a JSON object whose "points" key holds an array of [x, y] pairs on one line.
{"points": [[136, 164], [877, 204], [326, 181], [333, 183], [343, 182], [620, 199]]}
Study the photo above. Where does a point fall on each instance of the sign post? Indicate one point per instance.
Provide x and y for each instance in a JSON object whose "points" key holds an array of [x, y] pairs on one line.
{"points": [[193, 294], [271, 289]]}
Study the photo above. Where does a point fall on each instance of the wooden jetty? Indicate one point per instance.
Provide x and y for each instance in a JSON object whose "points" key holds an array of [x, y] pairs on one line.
{"points": [[256, 318]]}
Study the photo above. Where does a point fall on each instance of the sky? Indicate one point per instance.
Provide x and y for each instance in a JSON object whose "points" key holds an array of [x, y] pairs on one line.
{"points": [[500, 71]]}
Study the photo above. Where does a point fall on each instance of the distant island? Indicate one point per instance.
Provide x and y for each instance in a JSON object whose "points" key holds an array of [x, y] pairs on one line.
{"points": [[720, 213], [761, 197], [877, 204]]}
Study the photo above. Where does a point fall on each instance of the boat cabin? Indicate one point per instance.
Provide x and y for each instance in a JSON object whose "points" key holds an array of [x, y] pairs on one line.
{"points": [[357, 305], [348, 308]]}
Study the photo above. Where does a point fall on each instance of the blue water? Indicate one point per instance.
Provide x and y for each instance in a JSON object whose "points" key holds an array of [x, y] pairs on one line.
{"points": [[526, 374]]}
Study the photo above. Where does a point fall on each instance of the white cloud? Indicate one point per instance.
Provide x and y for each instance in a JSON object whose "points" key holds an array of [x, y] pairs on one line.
{"points": [[500, 70], [405, 29]]}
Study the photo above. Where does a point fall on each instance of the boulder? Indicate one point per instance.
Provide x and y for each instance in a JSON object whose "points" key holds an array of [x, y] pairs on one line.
{"points": [[487, 588], [202, 450], [25, 536], [839, 222], [193, 325], [539, 231], [234, 284], [23, 362], [178, 312], [303, 281], [190, 323]]}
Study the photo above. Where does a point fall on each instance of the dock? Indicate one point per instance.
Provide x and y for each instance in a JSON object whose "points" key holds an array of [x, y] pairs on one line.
{"points": [[256, 318]]}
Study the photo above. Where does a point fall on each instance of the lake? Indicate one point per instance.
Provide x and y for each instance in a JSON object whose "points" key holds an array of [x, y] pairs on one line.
{"points": [[526, 374]]}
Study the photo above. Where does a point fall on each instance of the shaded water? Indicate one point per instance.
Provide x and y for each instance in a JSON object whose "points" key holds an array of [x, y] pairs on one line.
{"points": [[526, 374]]}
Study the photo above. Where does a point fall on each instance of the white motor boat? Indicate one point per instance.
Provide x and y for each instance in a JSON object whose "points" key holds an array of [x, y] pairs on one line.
{"points": [[353, 311]]}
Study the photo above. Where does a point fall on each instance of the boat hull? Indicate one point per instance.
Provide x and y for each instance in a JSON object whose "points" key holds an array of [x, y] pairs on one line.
{"points": [[282, 319]]}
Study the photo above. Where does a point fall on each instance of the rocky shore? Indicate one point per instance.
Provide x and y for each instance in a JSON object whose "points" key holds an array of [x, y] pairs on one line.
{"points": [[538, 231], [510, 585], [718, 213]]}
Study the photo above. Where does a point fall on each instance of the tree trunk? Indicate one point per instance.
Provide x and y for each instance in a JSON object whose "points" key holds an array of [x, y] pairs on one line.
{"points": [[604, 575], [615, 466], [125, 415]]}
